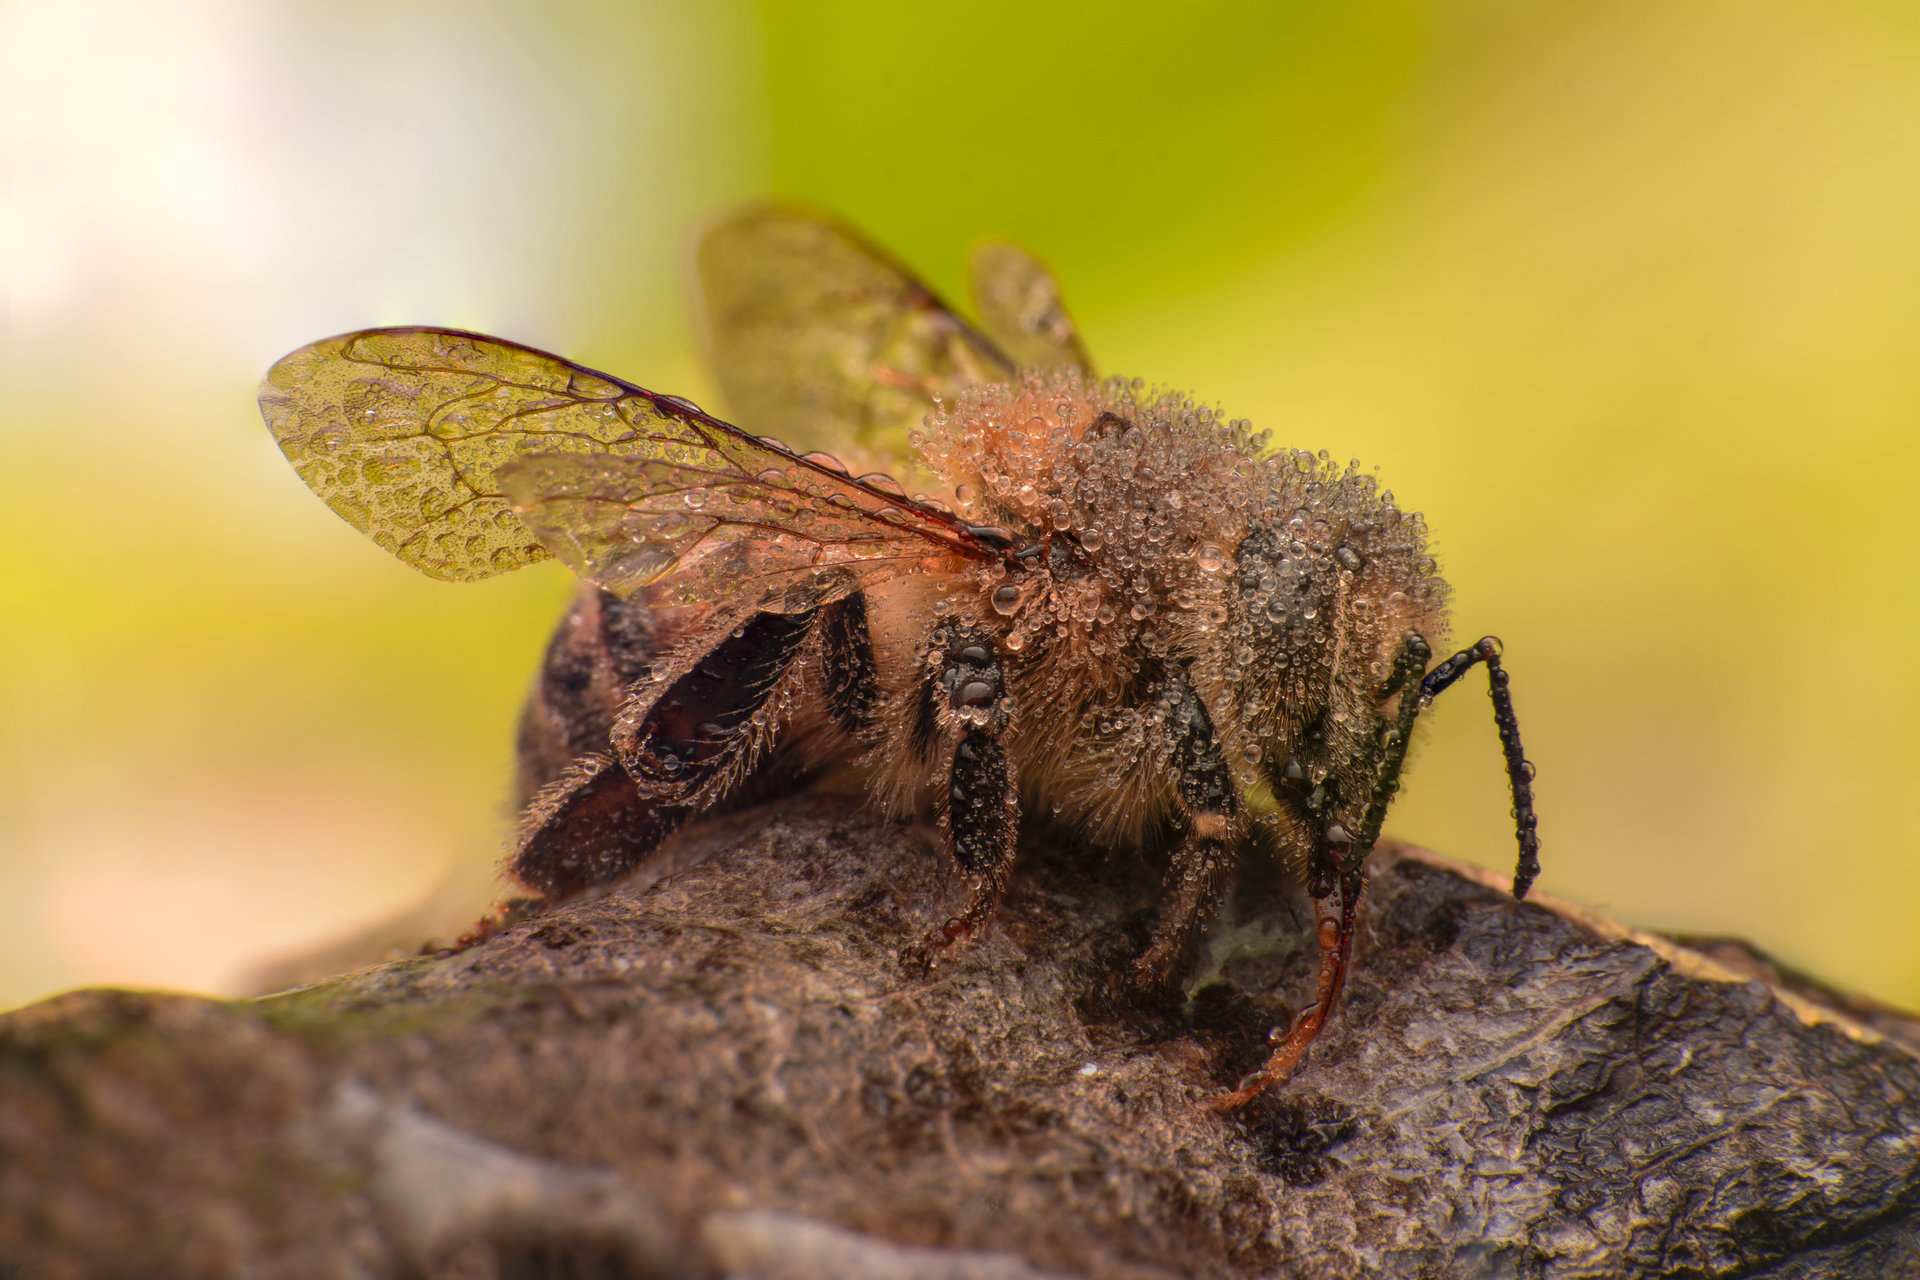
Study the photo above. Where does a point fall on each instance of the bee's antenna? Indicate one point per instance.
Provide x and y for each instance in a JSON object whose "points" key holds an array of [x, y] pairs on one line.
{"points": [[1520, 770]]}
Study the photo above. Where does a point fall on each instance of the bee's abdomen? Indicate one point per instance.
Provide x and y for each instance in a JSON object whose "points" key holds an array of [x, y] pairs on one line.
{"points": [[601, 646]]}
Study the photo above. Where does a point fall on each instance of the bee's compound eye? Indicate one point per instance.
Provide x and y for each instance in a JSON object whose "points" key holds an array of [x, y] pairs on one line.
{"points": [[975, 693]]}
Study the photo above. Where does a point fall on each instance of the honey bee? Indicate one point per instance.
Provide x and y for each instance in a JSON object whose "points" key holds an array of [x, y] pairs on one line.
{"points": [[1089, 596]]}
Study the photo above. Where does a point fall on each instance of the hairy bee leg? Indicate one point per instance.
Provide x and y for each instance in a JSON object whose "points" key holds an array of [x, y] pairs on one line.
{"points": [[677, 742], [589, 826], [852, 680], [671, 757], [1195, 882], [1334, 917], [1520, 771], [985, 823], [1337, 877], [982, 811], [1336, 907], [1204, 861]]}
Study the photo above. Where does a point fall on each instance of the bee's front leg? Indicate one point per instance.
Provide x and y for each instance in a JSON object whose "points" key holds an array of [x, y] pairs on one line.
{"points": [[1204, 862], [967, 698], [1336, 871], [1334, 914]]}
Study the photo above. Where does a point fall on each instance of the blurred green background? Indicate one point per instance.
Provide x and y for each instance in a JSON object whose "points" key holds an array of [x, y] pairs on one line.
{"points": [[1624, 296]]}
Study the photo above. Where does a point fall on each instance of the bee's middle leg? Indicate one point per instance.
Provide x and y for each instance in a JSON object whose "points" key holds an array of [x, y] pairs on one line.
{"points": [[1203, 864], [966, 698]]}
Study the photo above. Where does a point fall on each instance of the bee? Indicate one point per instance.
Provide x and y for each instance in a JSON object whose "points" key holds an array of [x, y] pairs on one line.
{"points": [[1081, 594]]}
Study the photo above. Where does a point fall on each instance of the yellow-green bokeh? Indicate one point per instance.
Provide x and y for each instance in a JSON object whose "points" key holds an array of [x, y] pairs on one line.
{"points": [[1624, 296]]}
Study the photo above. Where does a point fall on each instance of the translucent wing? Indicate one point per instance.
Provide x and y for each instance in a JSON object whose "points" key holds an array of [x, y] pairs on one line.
{"points": [[1021, 308], [714, 515], [819, 336], [401, 431], [467, 456]]}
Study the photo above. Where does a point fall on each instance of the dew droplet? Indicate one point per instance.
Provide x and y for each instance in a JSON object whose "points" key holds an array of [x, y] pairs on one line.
{"points": [[965, 493], [1014, 640], [1142, 608], [1210, 557], [695, 498], [1091, 538], [1006, 599]]}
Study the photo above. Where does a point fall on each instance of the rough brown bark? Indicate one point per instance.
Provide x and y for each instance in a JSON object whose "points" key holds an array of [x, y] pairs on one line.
{"points": [[729, 1074]]}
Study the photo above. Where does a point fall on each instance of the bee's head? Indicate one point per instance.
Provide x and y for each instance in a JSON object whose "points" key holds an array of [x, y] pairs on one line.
{"points": [[1322, 596]]}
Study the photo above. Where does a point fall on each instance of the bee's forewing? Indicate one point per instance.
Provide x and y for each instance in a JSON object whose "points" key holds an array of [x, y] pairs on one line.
{"points": [[467, 456], [1021, 308], [821, 338], [402, 430], [713, 514]]}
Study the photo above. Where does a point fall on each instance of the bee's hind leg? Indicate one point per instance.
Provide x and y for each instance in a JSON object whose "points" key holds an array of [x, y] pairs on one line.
{"points": [[672, 754]]}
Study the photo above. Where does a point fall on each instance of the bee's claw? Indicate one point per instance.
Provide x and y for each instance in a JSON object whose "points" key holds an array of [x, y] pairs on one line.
{"points": [[919, 958]]}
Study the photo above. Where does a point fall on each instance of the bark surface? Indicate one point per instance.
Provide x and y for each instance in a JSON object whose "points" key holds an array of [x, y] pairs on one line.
{"points": [[728, 1073]]}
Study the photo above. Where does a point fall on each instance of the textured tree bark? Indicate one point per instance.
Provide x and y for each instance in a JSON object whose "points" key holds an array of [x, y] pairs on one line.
{"points": [[728, 1074]]}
